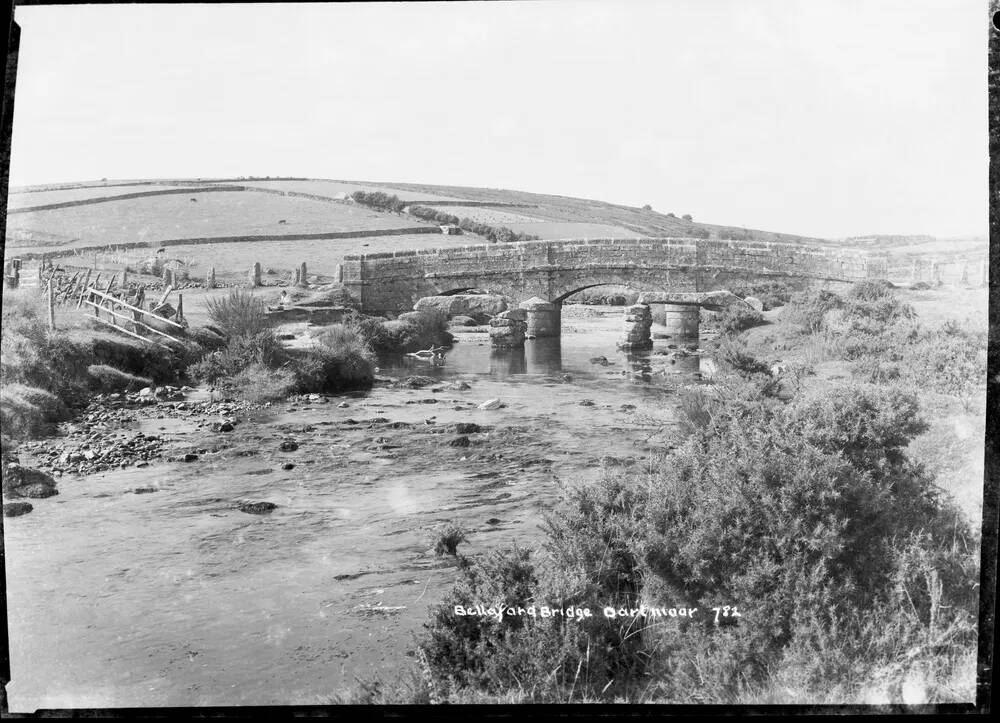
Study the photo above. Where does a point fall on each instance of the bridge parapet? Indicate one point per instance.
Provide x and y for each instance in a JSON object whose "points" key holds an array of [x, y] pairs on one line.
{"points": [[554, 270]]}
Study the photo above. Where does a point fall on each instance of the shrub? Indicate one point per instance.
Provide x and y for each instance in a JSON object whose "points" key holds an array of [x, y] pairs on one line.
{"points": [[807, 309], [874, 290], [109, 379], [372, 331], [339, 362], [448, 538], [413, 331], [811, 511], [948, 359], [27, 411], [240, 314], [735, 357], [257, 383], [378, 200], [738, 318], [771, 293], [33, 356], [261, 349]]}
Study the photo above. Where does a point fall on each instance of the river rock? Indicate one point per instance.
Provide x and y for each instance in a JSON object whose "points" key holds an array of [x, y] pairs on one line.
{"points": [[462, 320], [257, 508], [21, 481], [479, 307], [467, 428], [223, 427], [36, 491], [755, 303], [459, 442], [190, 457], [288, 446], [417, 382], [146, 392], [490, 404], [16, 509]]}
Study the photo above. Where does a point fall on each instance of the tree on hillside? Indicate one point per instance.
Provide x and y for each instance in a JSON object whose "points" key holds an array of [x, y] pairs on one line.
{"points": [[687, 217], [647, 207]]}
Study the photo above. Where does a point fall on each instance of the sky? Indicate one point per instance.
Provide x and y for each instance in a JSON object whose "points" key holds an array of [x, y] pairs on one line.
{"points": [[826, 118]]}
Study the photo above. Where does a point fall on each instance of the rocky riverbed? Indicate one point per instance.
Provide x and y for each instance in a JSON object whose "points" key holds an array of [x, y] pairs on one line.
{"points": [[203, 552]]}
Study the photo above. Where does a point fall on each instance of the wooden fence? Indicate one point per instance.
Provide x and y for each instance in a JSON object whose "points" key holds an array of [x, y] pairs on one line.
{"points": [[124, 313]]}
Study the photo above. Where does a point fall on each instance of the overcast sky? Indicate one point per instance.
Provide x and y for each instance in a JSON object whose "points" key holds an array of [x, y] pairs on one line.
{"points": [[825, 118]]}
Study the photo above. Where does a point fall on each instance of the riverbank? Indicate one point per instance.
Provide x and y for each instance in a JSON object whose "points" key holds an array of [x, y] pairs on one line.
{"points": [[163, 606]]}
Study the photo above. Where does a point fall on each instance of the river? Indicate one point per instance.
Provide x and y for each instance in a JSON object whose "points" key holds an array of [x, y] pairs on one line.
{"points": [[176, 598]]}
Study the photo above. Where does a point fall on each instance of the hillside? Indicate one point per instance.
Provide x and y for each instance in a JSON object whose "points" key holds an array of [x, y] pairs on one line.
{"points": [[230, 223]]}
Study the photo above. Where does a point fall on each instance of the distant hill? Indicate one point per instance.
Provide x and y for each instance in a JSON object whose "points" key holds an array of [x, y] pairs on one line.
{"points": [[544, 215]]}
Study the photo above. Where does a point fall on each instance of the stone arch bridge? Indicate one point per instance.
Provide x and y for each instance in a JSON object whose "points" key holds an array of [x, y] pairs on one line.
{"points": [[552, 271]]}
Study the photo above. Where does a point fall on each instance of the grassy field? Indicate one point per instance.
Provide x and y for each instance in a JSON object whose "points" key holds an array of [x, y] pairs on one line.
{"points": [[321, 256], [331, 188], [154, 220], [491, 216], [158, 218], [570, 230], [26, 199], [564, 208]]}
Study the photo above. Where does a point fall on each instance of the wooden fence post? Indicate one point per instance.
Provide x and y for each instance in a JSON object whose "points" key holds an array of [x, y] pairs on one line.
{"points": [[180, 308], [302, 274], [52, 309]]}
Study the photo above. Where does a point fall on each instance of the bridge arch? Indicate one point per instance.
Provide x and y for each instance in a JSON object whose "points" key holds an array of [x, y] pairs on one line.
{"points": [[555, 270]]}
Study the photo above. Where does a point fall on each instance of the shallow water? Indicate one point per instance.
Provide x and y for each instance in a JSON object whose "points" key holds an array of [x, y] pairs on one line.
{"points": [[177, 598]]}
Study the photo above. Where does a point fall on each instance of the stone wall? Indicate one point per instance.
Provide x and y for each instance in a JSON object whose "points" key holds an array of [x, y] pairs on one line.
{"points": [[554, 270]]}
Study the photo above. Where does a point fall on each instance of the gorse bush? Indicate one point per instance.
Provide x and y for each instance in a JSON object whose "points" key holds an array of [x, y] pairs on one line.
{"points": [[339, 362], [240, 314], [879, 332], [735, 357], [808, 517], [738, 318], [807, 310], [413, 331], [260, 349]]}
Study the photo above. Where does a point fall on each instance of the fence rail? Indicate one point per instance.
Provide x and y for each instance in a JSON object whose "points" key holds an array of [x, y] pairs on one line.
{"points": [[130, 318]]}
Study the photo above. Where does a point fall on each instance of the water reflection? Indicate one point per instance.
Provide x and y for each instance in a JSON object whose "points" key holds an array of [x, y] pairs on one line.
{"points": [[545, 355], [594, 355], [507, 362]]}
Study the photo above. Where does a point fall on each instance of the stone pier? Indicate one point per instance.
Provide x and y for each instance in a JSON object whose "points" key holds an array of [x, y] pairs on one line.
{"points": [[544, 318], [508, 328], [681, 320], [636, 327]]}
